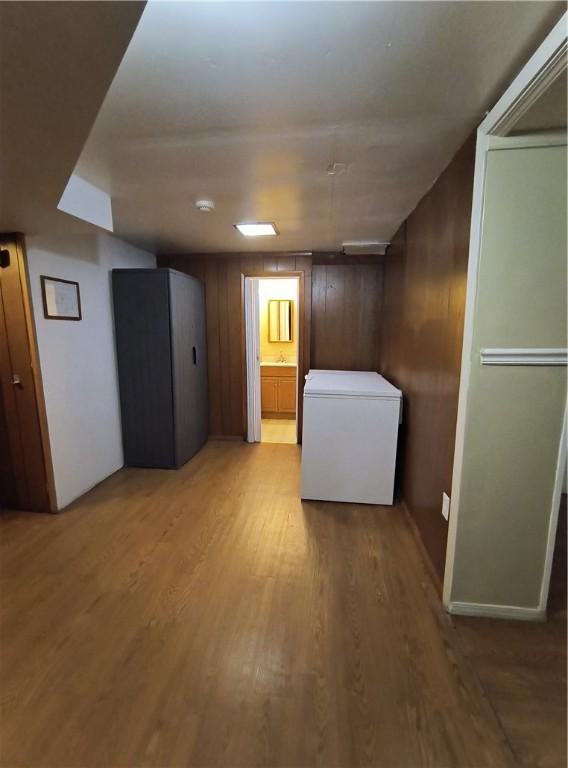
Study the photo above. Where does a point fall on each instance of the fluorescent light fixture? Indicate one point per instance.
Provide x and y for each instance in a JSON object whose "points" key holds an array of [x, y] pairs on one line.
{"points": [[257, 228]]}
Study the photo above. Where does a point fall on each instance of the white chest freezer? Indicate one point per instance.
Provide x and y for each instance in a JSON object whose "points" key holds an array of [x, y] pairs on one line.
{"points": [[349, 437]]}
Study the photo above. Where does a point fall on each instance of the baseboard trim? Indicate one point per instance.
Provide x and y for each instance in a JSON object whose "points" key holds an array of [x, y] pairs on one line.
{"points": [[432, 572], [87, 490], [490, 611]]}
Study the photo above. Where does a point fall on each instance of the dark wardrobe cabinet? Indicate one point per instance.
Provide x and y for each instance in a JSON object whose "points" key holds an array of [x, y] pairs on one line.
{"points": [[161, 347]]}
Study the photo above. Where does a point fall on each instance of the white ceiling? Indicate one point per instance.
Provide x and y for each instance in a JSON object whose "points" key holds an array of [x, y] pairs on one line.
{"points": [[248, 103]]}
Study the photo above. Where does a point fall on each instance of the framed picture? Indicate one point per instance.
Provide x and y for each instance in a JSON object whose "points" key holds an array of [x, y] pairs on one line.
{"points": [[61, 298]]}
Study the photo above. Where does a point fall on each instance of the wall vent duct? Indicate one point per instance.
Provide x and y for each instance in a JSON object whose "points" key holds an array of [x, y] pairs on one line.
{"points": [[365, 247]]}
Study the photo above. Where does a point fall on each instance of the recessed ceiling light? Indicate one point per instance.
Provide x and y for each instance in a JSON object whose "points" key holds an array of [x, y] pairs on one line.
{"points": [[257, 228]]}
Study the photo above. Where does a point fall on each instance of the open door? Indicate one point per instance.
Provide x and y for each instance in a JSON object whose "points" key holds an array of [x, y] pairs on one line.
{"points": [[26, 479], [252, 335], [272, 345]]}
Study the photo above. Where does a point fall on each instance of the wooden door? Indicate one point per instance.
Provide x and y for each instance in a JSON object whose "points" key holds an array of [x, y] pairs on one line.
{"points": [[8, 484], [26, 478], [287, 395], [269, 395]]}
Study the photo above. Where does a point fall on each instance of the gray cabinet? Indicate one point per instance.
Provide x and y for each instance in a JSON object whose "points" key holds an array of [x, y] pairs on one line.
{"points": [[161, 348]]}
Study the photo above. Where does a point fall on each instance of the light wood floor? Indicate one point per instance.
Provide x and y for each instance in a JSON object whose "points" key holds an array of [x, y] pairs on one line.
{"points": [[278, 431], [206, 617]]}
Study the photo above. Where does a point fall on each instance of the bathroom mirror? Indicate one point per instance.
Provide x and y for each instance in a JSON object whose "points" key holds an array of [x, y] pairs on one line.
{"points": [[280, 320]]}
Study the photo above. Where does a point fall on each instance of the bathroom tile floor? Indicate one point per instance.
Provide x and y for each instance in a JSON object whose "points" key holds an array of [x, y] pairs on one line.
{"points": [[278, 431]]}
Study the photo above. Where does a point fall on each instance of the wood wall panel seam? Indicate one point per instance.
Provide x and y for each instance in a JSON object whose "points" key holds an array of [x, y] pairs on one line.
{"points": [[346, 316]]}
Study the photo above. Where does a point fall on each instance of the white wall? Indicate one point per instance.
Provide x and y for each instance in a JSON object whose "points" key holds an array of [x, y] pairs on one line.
{"points": [[78, 360], [82, 199]]}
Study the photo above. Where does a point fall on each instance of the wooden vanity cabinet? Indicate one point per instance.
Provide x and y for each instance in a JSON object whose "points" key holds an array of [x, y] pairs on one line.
{"points": [[268, 394], [278, 391]]}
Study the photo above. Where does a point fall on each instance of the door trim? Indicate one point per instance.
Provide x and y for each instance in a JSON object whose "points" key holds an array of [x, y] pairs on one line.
{"points": [[252, 348], [303, 362], [553, 522], [535, 77]]}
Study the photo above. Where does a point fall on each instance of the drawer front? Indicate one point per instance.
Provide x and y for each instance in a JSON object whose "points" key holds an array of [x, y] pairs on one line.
{"points": [[277, 371]]}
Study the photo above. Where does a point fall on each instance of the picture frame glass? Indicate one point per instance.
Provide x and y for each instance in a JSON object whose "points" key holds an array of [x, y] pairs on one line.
{"points": [[61, 299]]}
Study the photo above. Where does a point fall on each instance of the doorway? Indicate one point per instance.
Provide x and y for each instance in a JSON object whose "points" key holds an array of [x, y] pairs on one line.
{"points": [[26, 476], [514, 348], [272, 334]]}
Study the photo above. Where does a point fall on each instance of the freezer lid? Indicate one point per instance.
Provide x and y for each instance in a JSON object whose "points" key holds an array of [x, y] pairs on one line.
{"points": [[349, 384]]}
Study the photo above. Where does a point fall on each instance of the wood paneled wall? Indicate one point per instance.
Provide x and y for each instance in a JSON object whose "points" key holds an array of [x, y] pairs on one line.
{"points": [[346, 309], [425, 273], [341, 319], [222, 275]]}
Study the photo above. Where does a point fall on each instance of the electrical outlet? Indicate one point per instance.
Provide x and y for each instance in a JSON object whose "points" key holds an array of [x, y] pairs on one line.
{"points": [[445, 505]]}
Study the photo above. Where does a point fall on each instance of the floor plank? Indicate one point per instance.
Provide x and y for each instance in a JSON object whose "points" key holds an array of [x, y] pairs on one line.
{"points": [[522, 668], [207, 617]]}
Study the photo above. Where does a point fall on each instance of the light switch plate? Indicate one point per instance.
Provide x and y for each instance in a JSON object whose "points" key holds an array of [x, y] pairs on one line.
{"points": [[445, 505]]}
